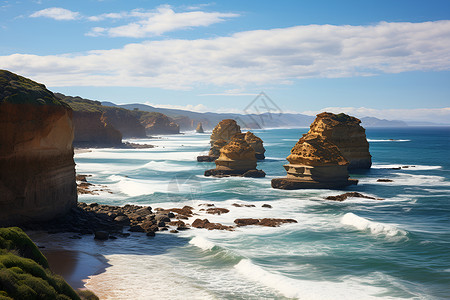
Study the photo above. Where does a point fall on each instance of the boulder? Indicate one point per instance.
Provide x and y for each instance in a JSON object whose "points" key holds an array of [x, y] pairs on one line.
{"points": [[314, 163], [101, 235], [347, 134]]}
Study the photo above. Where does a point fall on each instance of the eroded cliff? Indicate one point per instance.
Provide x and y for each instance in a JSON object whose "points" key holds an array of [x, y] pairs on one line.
{"points": [[37, 170]]}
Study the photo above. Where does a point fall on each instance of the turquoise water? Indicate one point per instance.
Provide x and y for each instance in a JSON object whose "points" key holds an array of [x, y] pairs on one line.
{"points": [[397, 248]]}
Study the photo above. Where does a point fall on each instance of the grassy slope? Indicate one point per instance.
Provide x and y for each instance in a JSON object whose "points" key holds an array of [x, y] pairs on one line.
{"points": [[24, 272], [20, 90]]}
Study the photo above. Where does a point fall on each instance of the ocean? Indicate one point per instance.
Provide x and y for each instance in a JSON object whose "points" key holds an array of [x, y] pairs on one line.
{"points": [[396, 248]]}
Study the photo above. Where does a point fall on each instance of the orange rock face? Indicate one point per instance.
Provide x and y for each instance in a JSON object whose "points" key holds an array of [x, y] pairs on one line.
{"points": [[237, 155], [347, 134], [316, 151], [225, 130], [37, 170], [215, 149], [256, 143]]}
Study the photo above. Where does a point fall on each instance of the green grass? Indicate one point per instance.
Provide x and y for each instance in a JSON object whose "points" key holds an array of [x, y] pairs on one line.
{"points": [[24, 272], [20, 90]]}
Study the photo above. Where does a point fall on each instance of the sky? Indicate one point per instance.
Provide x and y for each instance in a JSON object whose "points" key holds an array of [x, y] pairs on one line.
{"points": [[387, 59]]}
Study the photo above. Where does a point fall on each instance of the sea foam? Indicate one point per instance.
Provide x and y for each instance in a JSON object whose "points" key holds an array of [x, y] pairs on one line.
{"points": [[364, 224], [202, 243]]}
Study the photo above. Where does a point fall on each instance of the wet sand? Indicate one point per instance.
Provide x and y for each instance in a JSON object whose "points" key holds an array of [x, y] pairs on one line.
{"points": [[74, 266]]}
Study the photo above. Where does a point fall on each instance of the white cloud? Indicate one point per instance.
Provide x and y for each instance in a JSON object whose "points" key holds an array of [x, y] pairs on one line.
{"points": [[437, 115], [251, 58], [56, 13], [153, 23]]}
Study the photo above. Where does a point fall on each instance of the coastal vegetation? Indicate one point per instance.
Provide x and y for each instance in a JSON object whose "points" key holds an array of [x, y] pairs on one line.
{"points": [[24, 272]]}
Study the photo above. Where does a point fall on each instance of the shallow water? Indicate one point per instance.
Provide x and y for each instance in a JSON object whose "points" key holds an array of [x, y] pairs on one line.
{"points": [[396, 248]]}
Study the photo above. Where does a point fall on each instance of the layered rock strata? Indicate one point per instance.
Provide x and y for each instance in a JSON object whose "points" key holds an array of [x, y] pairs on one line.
{"points": [[37, 170], [347, 134], [237, 158], [314, 163], [225, 130], [157, 123], [257, 144], [92, 129]]}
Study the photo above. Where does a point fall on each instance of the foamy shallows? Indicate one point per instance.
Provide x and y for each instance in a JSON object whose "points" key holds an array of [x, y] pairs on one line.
{"points": [[364, 224], [355, 249]]}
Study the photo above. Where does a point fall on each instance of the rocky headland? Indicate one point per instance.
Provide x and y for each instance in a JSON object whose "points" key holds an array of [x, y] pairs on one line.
{"points": [[237, 158], [314, 163], [37, 170], [347, 134], [158, 123]]}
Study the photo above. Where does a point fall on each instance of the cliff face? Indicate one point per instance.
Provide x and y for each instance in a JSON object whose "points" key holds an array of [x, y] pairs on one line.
{"points": [[96, 124], [37, 170], [157, 123], [91, 128], [347, 134]]}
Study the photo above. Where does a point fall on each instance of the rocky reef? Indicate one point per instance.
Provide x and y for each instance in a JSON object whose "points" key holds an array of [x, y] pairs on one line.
{"points": [[347, 134], [237, 158], [257, 144], [37, 170], [314, 163], [199, 128], [157, 123]]}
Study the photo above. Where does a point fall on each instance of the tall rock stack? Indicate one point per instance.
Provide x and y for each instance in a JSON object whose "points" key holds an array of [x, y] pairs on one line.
{"points": [[257, 144], [37, 170], [199, 128], [314, 163], [347, 134], [237, 158]]}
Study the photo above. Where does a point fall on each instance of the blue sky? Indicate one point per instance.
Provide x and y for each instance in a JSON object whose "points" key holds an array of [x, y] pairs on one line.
{"points": [[388, 59]]}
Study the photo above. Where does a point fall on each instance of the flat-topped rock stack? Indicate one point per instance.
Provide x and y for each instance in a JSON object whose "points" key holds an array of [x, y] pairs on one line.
{"points": [[347, 134], [237, 158], [314, 163], [257, 144]]}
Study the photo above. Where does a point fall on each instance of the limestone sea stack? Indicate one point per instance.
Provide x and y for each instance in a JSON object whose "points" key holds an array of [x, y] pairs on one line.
{"points": [[199, 128], [257, 144], [237, 158], [37, 170], [314, 163], [347, 134]]}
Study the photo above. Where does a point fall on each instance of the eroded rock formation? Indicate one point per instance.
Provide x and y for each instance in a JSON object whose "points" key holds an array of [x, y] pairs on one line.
{"points": [[199, 128], [92, 129], [225, 130], [314, 163], [256, 143], [347, 134], [237, 158], [37, 170]]}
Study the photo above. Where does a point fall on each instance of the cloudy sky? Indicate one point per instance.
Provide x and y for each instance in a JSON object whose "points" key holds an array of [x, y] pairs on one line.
{"points": [[388, 59]]}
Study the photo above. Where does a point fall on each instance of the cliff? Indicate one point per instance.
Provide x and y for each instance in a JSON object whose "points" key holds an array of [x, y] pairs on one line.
{"points": [[37, 170], [24, 271], [347, 134], [104, 125], [157, 123]]}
